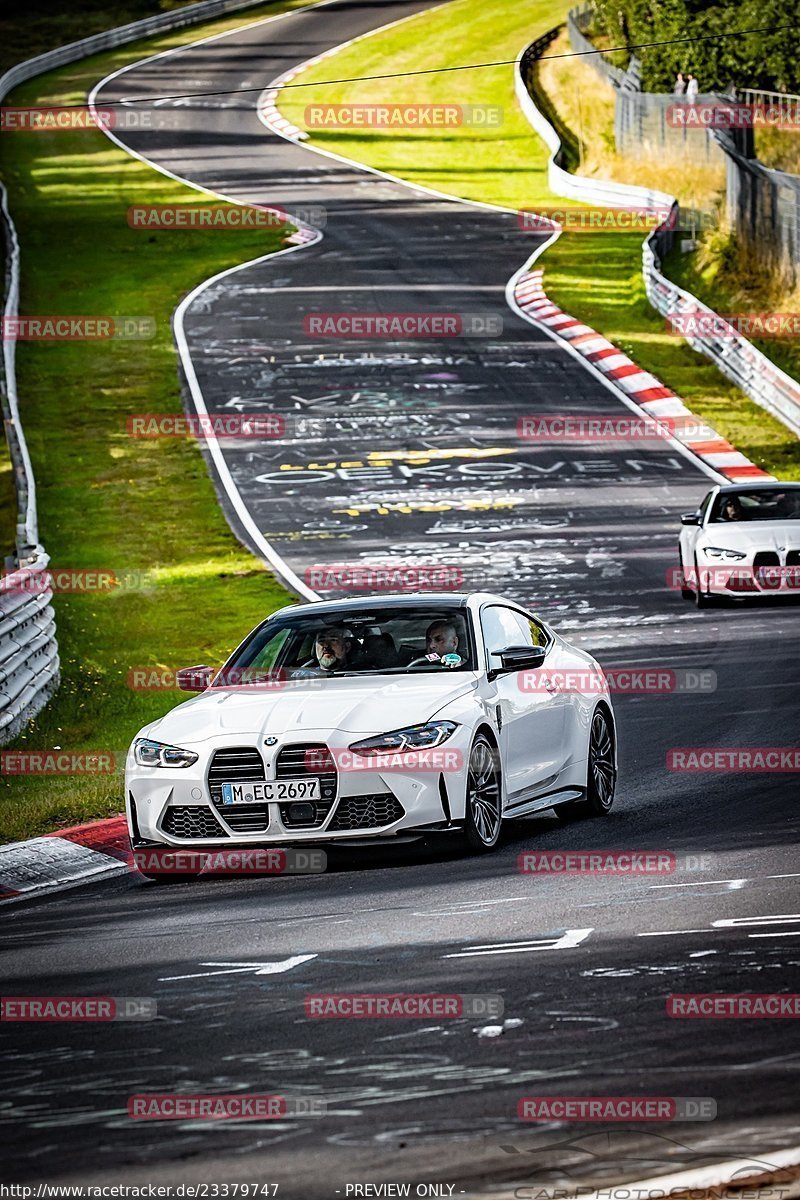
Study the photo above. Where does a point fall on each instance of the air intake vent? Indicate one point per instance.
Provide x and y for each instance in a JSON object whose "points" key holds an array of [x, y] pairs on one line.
{"points": [[366, 812], [191, 821]]}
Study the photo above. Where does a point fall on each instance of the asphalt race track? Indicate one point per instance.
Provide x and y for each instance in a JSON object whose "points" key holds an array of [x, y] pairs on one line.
{"points": [[583, 534]]}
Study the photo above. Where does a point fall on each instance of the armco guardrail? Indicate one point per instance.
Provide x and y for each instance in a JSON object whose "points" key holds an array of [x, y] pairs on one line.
{"points": [[29, 666], [29, 663], [734, 355], [110, 38]]}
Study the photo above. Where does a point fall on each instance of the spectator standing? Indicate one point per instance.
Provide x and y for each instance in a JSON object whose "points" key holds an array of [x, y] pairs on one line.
{"points": [[680, 85], [692, 89]]}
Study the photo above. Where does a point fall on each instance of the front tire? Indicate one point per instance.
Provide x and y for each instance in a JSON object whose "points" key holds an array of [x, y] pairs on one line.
{"points": [[703, 599], [483, 810]]}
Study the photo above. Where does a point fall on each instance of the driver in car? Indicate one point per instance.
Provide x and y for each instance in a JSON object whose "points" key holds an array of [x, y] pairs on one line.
{"points": [[732, 509], [335, 649]]}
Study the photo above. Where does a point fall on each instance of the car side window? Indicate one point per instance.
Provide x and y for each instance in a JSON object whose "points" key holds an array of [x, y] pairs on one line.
{"points": [[504, 627], [539, 635]]}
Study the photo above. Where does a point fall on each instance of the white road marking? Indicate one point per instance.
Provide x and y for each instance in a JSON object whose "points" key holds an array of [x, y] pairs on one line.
{"points": [[743, 922], [786, 933], [735, 923], [735, 884], [568, 940], [240, 968], [672, 932]]}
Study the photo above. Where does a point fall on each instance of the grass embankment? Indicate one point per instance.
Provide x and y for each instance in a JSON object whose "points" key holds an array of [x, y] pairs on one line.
{"points": [[596, 277], [107, 500]]}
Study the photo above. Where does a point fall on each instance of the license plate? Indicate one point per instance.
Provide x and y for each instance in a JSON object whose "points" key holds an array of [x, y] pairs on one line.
{"points": [[278, 789]]}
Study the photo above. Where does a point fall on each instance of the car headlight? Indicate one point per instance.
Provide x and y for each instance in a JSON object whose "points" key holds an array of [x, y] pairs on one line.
{"points": [[414, 737], [721, 552], [156, 754]]}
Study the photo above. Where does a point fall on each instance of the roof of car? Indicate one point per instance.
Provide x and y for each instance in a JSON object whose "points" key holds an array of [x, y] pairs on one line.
{"points": [[417, 599], [756, 486]]}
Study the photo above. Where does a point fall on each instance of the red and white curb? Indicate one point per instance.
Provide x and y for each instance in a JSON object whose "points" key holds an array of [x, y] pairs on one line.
{"points": [[268, 110], [64, 859], [638, 386]]}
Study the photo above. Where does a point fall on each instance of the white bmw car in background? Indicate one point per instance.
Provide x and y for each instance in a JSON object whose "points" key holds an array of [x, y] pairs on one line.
{"points": [[377, 719], [743, 540]]}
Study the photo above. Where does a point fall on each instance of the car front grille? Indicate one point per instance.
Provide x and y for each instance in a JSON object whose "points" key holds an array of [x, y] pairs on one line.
{"points": [[238, 764], [191, 821], [763, 561], [366, 812], [307, 760], [235, 764], [793, 558]]}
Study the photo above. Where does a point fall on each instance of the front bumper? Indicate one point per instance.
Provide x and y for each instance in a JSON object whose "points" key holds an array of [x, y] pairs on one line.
{"points": [[183, 807], [753, 578]]}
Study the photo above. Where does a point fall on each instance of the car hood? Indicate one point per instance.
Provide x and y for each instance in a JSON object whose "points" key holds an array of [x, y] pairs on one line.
{"points": [[755, 535], [351, 705]]}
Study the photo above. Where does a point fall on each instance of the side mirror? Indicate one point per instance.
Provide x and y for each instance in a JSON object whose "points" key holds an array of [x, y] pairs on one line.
{"points": [[519, 658], [692, 518], [194, 679]]}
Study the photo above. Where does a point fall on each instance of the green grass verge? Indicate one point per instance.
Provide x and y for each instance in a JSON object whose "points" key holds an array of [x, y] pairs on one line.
{"points": [[596, 277], [106, 500]]}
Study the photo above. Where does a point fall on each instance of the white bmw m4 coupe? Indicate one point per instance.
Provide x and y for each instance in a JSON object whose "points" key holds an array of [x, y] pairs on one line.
{"points": [[742, 541], [380, 719]]}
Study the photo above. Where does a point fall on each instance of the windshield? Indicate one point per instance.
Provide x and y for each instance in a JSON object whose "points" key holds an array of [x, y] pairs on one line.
{"points": [[771, 504], [357, 641]]}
